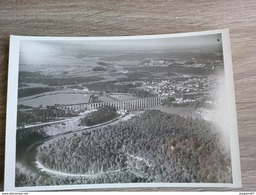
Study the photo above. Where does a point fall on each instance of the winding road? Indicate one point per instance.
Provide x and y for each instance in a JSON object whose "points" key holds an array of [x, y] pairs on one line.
{"points": [[38, 167]]}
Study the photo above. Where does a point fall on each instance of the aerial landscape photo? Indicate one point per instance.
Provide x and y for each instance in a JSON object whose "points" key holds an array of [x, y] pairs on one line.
{"points": [[111, 111]]}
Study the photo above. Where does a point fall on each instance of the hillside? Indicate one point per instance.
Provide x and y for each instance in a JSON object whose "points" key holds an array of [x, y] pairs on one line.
{"points": [[154, 147]]}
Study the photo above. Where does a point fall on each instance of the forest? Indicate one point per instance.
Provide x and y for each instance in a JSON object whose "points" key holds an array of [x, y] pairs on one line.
{"points": [[103, 114], [117, 87], [169, 70], [41, 115], [154, 147], [36, 77], [99, 68], [33, 91], [25, 138]]}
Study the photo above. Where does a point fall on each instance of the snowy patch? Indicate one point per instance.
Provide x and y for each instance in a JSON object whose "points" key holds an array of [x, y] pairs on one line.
{"points": [[208, 115], [63, 174], [139, 159]]}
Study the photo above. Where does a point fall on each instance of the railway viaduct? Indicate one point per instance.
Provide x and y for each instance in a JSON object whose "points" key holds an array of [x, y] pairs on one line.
{"points": [[132, 104]]}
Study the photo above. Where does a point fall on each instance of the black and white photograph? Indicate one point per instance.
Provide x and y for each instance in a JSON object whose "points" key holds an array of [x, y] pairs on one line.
{"points": [[111, 112]]}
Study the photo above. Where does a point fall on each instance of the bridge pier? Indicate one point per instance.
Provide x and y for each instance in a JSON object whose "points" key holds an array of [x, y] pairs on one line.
{"points": [[134, 104]]}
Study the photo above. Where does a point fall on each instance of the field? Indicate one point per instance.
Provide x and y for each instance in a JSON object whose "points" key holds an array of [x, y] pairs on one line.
{"points": [[122, 96], [49, 100], [181, 111]]}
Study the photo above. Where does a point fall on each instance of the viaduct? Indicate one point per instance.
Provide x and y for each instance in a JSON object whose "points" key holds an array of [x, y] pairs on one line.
{"points": [[133, 104]]}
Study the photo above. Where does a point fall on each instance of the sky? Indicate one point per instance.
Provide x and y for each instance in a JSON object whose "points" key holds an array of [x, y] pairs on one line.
{"points": [[43, 51]]}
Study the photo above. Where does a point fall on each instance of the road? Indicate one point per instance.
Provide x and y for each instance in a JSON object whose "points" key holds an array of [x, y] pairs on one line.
{"points": [[84, 129], [60, 121], [32, 147], [48, 123], [63, 174]]}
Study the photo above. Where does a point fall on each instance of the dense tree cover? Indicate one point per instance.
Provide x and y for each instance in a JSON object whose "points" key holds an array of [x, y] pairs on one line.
{"points": [[99, 68], [154, 147], [103, 114], [41, 115], [25, 177], [110, 86], [69, 80], [159, 71], [25, 138], [117, 87], [22, 106], [23, 75], [137, 75], [34, 77], [141, 93], [104, 64], [33, 91]]}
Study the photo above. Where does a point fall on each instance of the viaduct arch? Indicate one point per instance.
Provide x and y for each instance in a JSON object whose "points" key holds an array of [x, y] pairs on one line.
{"points": [[132, 104]]}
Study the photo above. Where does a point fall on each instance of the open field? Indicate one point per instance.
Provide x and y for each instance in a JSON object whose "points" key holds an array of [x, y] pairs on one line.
{"points": [[50, 100], [122, 96], [181, 111]]}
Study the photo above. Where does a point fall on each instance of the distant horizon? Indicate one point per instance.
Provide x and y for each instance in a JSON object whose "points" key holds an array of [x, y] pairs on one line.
{"points": [[121, 58], [40, 51]]}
